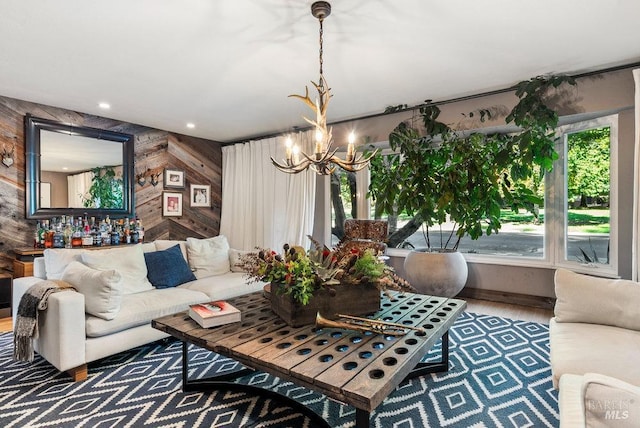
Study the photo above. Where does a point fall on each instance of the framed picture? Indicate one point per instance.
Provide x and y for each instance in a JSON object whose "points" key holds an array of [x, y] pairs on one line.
{"points": [[171, 204], [200, 195], [173, 179]]}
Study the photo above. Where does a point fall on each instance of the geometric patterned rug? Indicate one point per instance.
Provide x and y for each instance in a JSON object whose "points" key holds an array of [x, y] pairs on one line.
{"points": [[499, 376]]}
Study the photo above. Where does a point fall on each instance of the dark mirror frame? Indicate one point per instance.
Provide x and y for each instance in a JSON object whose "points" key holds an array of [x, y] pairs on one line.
{"points": [[32, 128]]}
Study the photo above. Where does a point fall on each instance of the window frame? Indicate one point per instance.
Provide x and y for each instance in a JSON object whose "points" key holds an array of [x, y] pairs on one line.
{"points": [[558, 228]]}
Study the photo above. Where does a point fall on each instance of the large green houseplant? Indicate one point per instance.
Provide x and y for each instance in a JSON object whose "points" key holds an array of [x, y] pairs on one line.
{"points": [[439, 174], [106, 189]]}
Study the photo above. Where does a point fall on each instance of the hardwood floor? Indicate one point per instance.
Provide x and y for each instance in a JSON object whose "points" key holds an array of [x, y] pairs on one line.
{"points": [[505, 310], [5, 325]]}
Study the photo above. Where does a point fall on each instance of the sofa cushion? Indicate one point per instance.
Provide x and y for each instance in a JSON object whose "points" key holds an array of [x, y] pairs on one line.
{"points": [[148, 247], [167, 268], [580, 348], [56, 260], [588, 299], [140, 308], [235, 257], [128, 260], [221, 287], [102, 289], [209, 256], [163, 244]]}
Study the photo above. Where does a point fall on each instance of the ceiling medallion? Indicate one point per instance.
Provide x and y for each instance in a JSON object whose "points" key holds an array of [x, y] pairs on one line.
{"points": [[324, 159]]}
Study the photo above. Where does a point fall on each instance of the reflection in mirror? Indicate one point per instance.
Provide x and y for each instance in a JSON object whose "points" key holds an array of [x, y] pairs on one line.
{"points": [[78, 181], [74, 170]]}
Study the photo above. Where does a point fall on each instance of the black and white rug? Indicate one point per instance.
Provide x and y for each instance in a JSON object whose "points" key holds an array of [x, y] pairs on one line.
{"points": [[499, 376]]}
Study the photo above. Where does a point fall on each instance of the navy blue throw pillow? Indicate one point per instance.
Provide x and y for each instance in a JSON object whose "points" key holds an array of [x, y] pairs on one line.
{"points": [[167, 268]]}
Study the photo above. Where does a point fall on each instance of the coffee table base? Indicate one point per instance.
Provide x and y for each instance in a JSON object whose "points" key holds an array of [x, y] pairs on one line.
{"points": [[223, 382], [363, 417]]}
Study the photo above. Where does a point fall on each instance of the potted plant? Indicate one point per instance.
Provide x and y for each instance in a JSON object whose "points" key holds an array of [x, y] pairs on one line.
{"points": [[440, 175], [106, 189], [303, 283]]}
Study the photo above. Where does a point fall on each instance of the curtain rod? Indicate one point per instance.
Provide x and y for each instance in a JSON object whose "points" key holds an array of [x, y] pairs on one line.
{"points": [[443, 102]]}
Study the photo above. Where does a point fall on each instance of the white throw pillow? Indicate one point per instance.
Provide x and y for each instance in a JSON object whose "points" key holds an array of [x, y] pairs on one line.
{"points": [[129, 261], [102, 289], [208, 257], [593, 300], [57, 260], [235, 257]]}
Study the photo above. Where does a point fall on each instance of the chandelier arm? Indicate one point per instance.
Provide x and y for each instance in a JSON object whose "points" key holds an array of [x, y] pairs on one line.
{"points": [[291, 169]]}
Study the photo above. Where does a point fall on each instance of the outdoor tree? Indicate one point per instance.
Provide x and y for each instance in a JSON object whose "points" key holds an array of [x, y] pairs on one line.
{"points": [[588, 166]]}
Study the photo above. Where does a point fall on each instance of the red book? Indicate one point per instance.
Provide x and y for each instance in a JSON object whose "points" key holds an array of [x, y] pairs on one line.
{"points": [[215, 313]]}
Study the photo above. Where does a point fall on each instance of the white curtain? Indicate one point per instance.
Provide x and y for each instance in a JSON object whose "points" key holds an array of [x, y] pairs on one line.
{"points": [[636, 182], [78, 189], [262, 206]]}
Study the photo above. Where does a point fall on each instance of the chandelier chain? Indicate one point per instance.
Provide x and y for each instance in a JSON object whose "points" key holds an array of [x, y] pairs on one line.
{"points": [[320, 52]]}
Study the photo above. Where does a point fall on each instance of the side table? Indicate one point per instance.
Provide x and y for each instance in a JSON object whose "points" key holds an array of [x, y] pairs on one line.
{"points": [[23, 262], [5, 295]]}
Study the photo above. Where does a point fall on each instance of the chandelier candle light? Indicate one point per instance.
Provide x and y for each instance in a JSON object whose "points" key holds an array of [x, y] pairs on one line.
{"points": [[324, 161]]}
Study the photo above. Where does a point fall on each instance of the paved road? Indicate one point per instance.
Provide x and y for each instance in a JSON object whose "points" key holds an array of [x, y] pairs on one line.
{"points": [[522, 244]]}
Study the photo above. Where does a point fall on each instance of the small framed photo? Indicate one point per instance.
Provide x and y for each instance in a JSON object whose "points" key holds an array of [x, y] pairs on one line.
{"points": [[173, 179], [171, 204], [200, 195]]}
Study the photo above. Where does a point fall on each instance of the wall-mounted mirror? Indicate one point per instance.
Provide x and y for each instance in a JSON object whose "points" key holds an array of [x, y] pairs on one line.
{"points": [[73, 170]]}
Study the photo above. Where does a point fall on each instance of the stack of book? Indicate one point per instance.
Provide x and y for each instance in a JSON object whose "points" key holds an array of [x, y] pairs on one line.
{"points": [[212, 314]]}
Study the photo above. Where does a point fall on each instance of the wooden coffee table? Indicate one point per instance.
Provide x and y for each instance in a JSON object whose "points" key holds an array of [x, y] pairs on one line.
{"points": [[354, 368]]}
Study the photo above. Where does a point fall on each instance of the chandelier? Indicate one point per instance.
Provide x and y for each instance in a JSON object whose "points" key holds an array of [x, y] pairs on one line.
{"points": [[324, 159]]}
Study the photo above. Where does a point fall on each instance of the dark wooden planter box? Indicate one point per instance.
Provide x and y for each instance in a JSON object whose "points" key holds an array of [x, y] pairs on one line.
{"points": [[355, 300]]}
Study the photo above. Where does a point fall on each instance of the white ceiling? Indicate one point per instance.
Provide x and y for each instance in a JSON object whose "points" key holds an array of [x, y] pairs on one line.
{"points": [[228, 65]]}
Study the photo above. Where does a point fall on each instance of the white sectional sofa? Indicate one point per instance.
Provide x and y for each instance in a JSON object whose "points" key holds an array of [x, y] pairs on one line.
{"points": [[595, 347], [117, 295]]}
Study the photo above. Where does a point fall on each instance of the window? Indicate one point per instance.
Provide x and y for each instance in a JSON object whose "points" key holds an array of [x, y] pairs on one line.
{"points": [[585, 204], [575, 228]]}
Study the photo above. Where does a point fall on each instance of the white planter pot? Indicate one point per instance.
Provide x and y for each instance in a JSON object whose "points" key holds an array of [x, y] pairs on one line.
{"points": [[436, 274]]}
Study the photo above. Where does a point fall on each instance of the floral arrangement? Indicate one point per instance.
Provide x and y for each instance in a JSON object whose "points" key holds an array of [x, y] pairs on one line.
{"points": [[303, 272]]}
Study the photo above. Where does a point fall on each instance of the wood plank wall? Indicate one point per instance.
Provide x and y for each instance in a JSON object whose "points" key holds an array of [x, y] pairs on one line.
{"points": [[155, 150]]}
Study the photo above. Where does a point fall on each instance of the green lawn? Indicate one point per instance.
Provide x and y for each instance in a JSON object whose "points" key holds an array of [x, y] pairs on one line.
{"points": [[580, 220]]}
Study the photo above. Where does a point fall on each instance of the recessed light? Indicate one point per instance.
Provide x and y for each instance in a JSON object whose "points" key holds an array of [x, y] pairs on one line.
{"points": [[104, 106], [191, 125], [64, 168]]}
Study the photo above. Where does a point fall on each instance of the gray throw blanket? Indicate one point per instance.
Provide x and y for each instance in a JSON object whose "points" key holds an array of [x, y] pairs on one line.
{"points": [[26, 324]]}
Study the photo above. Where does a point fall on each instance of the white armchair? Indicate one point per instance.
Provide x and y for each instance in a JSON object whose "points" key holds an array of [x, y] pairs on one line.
{"points": [[596, 328], [595, 344]]}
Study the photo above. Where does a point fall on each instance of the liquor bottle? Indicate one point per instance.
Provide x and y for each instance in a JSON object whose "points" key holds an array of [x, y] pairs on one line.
{"points": [[58, 236], [87, 239], [36, 236], [48, 235], [67, 233], [76, 237], [115, 235], [135, 233], [140, 230], [95, 234]]}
